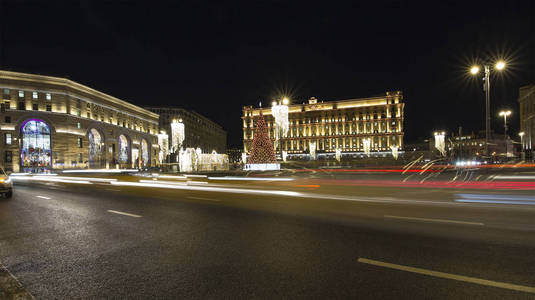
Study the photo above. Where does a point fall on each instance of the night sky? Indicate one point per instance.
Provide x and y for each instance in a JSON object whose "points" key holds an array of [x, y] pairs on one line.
{"points": [[215, 57]]}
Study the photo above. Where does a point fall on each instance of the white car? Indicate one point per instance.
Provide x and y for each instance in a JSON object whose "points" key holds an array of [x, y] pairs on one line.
{"points": [[6, 185]]}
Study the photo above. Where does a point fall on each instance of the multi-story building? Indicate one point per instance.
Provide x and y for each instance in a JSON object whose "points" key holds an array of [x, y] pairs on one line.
{"points": [[332, 125], [526, 99], [199, 131], [54, 123]]}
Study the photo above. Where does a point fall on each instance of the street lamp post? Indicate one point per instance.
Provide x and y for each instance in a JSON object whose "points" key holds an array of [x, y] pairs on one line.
{"points": [[505, 114], [500, 65]]}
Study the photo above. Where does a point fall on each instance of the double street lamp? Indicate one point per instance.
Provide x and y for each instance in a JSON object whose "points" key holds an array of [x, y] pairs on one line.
{"points": [[500, 65]]}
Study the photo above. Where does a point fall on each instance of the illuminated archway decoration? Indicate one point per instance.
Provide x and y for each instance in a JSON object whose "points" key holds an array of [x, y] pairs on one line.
{"points": [[144, 152], [36, 146], [395, 151], [440, 144], [123, 149], [96, 149], [367, 146]]}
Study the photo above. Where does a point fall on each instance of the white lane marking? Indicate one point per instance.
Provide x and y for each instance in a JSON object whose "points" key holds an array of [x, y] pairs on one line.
{"points": [[201, 198], [434, 220], [475, 280], [113, 190], [43, 197], [123, 213]]}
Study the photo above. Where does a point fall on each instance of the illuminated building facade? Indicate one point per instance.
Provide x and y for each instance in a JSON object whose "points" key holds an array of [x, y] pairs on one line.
{"points": [[347, 125], [54, 123], [526, 99], [199, 131]]}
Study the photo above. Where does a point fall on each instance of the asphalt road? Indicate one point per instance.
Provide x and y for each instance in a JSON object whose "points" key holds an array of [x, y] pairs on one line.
{"points": [[65, 241]]}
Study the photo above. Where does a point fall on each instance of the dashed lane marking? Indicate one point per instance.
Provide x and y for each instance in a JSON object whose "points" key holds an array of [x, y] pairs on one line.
{"points": [[43, 197], [434, 220], [10, 287], [475, 280], [123, 213]]}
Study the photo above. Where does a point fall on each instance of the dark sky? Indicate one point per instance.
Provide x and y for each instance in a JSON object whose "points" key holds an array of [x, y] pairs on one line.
{"points": [[214, 57]]}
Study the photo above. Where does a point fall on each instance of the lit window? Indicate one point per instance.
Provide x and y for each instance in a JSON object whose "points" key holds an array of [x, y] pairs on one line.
{"points": [[48, 96], [7, 139], [6, 91], [34, 95], [78, 125], [79, 142], [21, 94]]}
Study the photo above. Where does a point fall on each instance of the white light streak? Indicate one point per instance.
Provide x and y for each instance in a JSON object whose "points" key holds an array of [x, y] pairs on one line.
{"points": [[101, 171], [250, 178]]}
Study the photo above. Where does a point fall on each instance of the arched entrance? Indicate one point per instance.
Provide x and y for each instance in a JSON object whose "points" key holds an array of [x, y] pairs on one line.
{"points": [[123, 149], [36, 152], [144, 153], [96, 149]]}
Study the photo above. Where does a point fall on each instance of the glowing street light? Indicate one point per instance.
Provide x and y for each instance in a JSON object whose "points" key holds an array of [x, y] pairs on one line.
{"points": [[500, 65]]}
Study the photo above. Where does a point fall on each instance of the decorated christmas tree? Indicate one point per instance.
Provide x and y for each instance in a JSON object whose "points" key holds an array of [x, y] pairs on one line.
{"points": [[261, 147]]}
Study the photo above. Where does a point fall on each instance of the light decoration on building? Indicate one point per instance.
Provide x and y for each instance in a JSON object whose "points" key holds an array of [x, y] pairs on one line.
{"points": [[193, 160], [395, 151], [367, 143], [338, 154], [280, 113], [312, 147], [163, 142], [440, 143], [284, 155], [244, 157], [177, 134]]}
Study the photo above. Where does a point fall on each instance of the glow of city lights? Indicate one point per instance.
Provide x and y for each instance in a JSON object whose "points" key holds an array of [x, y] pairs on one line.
{"points": [[440, 144], [177, 134]]}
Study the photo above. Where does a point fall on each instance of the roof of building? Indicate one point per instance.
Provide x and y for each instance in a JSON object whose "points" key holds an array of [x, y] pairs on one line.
{"points": [[69, 84]]}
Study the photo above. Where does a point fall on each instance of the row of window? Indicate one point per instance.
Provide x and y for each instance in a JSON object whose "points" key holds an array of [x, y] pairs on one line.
{"points": [[35, 95]]}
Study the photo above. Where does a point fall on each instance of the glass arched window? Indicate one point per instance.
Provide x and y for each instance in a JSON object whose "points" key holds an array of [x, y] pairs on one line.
{"points": [[123, 149], [145, 151], [36, 146], [96, 147]]}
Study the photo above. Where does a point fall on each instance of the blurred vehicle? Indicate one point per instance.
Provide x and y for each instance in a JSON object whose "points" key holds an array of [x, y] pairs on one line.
{"points": [[6, 185]]}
